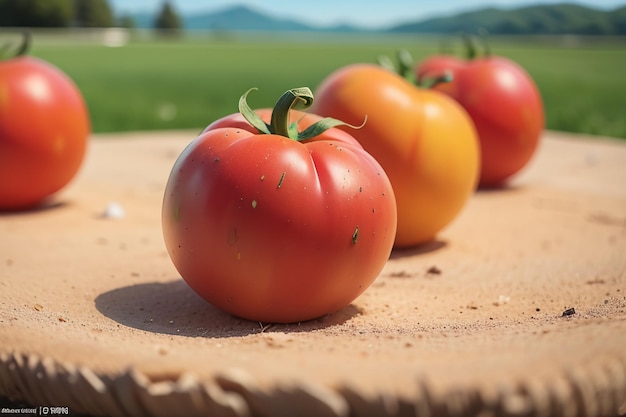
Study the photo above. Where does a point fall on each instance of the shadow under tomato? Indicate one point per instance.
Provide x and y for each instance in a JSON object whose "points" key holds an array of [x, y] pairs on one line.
{"points": [[174, 308], [500, 188], [47, 205], [424, 248]]}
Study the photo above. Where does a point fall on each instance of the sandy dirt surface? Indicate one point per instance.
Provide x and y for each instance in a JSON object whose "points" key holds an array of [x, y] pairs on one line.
{"points": [[94, 317]]}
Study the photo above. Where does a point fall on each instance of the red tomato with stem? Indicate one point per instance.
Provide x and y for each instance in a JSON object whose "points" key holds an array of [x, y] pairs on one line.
{"points": [[44, 128], [504, 104], [277, 216]]}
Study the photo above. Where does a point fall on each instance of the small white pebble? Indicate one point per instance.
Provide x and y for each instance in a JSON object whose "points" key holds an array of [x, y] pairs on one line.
{"points": [[503, 299], [113, 210]]}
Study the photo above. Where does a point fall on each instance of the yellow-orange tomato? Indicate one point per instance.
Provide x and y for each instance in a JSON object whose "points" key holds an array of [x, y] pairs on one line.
{"points": [[504, 104], [425, 141]]}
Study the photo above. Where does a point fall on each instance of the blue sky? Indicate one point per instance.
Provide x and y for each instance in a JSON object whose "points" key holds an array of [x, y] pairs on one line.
{"points": [[366, 13]]}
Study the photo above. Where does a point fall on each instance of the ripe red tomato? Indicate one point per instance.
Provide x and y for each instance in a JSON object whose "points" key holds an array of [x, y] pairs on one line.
{"points": [[424, 140], [504, 104], [274, 229], [44, 127]]}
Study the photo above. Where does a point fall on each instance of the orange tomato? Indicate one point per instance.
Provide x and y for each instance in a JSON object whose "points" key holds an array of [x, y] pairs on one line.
{"points": [[425, 142]]}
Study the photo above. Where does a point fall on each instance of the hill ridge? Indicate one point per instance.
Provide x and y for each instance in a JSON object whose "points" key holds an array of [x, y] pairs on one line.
{"points": [[559, 18]]}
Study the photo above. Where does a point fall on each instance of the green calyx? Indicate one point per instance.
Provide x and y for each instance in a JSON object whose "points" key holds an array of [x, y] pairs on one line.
{"points": [[432, 82], [279, 124], [471, 51], [405, 69], [7, 51]]}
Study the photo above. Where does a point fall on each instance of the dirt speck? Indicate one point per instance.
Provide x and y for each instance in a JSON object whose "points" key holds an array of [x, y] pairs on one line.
{"points": [[568, 312], [433, 270]]}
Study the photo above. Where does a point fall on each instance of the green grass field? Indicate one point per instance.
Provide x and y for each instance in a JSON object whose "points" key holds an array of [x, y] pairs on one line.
{"points": [[187, 84]]}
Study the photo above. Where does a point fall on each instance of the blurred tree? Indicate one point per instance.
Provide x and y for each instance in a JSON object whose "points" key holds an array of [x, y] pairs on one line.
{"points": [[167, 21], [36, 13], [93, 13]]}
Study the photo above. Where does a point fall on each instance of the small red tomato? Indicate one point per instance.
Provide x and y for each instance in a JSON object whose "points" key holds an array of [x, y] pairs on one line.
{"points": [[276, 225], [44, 128], [504, 104]]}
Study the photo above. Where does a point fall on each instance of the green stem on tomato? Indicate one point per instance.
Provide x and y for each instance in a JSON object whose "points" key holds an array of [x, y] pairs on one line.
{"points": [[483, 35], [405, 65], [429, 82], [470, 48], [386, 62], [279, 122], [249, 114], [471, 52], [5, 50], [406, 70]]}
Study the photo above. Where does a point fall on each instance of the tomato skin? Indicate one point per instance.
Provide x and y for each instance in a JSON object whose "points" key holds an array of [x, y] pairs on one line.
{"points": [[44, 127], [504, 104], [264, 227], [424, 140], [437, 65]]}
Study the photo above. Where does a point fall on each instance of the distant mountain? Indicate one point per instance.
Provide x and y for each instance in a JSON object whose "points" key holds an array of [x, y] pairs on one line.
{"points": [[545, 19], [240, 18], [562, 18]]}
